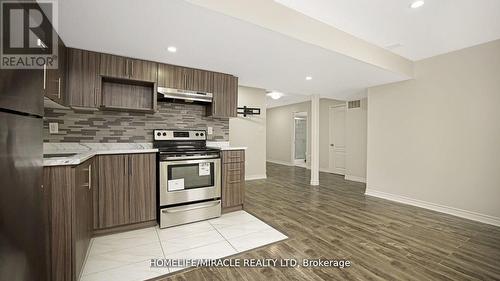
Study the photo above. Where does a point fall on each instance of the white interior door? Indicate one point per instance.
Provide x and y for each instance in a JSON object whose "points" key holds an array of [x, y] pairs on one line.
{"points": [[337, 139]]}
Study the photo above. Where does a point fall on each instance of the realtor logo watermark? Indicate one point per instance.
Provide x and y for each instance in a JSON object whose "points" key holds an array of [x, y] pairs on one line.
{"points": [[29, 40]]}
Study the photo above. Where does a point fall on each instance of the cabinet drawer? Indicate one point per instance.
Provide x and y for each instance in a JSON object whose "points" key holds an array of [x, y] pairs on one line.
{"points": [[233, 156]]}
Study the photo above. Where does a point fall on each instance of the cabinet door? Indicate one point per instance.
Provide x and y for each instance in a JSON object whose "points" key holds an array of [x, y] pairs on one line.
{"points": [[114, 207], [199, 80], [142, 185], [58, 182], [143, 70], [83, 214], [114, 66], [55, 78], [171, 76], [83, 79], [233, 184], [225, 99]]}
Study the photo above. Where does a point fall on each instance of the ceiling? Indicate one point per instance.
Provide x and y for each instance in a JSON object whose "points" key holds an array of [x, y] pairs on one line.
{"points": [[440, 26], [208, 40]]}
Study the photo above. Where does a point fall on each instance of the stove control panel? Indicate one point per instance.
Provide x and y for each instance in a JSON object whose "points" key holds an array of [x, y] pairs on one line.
{"points": [[179, 135]]}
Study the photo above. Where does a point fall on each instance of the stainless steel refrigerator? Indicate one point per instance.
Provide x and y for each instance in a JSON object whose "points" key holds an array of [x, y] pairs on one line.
{"points": [[23, 216]]}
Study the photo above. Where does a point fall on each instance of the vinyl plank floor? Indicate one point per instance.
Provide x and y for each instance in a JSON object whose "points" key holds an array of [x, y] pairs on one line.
{"points": [[384, 240]]}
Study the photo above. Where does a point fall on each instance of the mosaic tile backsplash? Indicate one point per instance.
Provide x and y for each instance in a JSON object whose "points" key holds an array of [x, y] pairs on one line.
{"points": [[130, 127]]}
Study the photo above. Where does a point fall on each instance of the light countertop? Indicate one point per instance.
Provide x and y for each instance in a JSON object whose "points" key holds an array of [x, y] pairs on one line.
{"points": [[85, 151], [224, 145]]}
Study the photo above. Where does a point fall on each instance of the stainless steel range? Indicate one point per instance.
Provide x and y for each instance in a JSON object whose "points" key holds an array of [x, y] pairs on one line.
{"points": [[189, 184]]}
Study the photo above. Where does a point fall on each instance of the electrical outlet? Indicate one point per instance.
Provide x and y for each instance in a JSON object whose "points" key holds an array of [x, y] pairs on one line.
{"points": [[53, 128], [210, 130]]}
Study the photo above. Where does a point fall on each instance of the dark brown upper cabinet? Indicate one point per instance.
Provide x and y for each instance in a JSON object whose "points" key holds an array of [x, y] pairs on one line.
{"points": [[83, 86], [172, 76], [55, 78], [143, 70], [225, 99], [127, 68], [114, 66]]}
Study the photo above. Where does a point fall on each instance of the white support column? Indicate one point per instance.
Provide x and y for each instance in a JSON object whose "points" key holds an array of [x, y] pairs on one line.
{"points": [[315, 140]]}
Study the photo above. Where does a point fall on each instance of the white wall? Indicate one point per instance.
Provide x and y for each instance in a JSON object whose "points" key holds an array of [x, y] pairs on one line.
{"points": [[280, 129], [280, 132], [250, 132], [356, 137], [435, 141]]}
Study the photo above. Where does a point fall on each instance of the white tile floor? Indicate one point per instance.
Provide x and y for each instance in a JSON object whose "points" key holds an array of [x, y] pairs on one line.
{"points": [[126, 256]]}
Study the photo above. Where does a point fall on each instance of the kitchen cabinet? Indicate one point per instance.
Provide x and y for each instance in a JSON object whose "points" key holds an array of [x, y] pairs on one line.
{"points": [[142, 187], [113, 66], [184, 78], [225, 96], [126, 190], [113, 193], [127, 68], [69, 209], [172, 76], [127, 84], [82, 221], [55, 79], [233, 180], [83, 81], [143, 70]]}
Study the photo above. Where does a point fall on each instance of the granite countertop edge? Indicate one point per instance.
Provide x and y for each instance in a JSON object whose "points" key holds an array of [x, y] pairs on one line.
{"points": [[83, 156]]}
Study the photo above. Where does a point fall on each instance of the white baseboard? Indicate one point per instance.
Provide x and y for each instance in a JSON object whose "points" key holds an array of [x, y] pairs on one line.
{"points": [[355, 178], [255, 177], [280, 162], [436, 207]]}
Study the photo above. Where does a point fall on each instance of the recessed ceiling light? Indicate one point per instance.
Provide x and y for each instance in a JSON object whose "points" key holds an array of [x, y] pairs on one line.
{"points": [[309, 78], [417, 4], [172, 49], [275, 95]]}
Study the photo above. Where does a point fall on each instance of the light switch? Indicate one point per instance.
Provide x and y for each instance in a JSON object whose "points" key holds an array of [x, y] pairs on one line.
{"points": [[53, 128], [210, 130]]}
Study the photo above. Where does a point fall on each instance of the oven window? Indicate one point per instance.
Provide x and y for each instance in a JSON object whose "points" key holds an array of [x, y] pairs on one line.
{"points": [[190, 174]]}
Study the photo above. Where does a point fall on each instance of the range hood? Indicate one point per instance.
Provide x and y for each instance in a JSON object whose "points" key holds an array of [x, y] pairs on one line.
{"points": [[186, 95]]}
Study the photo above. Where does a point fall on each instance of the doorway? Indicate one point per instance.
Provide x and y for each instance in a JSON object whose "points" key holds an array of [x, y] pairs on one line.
{"points": [[337, 151], [300, 139]]}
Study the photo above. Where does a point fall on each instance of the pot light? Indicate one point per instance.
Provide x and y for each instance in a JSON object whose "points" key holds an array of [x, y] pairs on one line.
{"points": [[275, 95], [172, 49], [417, 4], [308, 78]]}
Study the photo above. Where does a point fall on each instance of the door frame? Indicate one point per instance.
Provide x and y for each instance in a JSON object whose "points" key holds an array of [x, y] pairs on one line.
{"points": [[330, 138], [298, 162]]}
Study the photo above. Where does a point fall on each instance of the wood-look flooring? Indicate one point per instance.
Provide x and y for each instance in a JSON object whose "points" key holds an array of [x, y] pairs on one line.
{"points": [[384, 240]]}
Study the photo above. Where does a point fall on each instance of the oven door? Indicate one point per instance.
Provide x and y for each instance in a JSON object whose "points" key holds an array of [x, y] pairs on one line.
{"points": [[183, 181]]}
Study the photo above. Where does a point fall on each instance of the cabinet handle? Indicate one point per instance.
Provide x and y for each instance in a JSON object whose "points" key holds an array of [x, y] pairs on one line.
{"points": [[90, 177], [59, 88], [132, 70], [126, 69], [129, 166], [45, 76]]}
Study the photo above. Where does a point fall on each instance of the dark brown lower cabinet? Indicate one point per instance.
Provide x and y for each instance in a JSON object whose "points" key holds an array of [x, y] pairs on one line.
{"points": [[69, 205], [113, 193], [82, 220], [142, 187], [233, 180], [126, 191]]}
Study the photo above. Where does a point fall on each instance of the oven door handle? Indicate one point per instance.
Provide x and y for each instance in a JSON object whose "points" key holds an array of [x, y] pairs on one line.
{"points": [[192, 157], [184, 209]]}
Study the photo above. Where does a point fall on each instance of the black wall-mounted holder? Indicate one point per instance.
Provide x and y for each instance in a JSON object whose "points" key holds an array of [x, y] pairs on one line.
{"points": [[248, 111]]}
